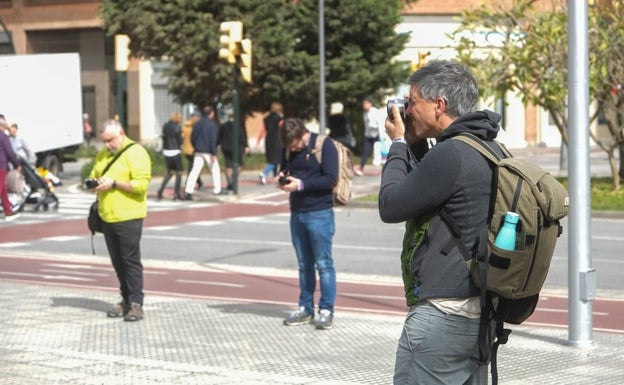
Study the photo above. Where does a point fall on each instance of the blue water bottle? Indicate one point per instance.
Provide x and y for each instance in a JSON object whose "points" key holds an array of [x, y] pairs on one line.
{"points": [[506, 237]]}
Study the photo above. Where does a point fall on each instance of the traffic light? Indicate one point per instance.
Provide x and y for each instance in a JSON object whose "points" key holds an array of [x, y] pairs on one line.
{"points": [[230, 42], [414, 66], [245, 60]]}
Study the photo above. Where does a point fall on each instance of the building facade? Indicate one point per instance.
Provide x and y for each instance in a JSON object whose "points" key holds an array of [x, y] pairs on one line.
{"points": [[54, 26], [58, 26]]}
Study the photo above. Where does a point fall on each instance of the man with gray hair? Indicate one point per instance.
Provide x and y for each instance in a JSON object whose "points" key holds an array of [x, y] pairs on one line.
{"points": [[122, 196], [440, 339]]}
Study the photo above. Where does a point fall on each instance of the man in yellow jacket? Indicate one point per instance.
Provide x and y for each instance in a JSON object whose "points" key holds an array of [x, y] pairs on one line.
{"points": [[122, 196]]}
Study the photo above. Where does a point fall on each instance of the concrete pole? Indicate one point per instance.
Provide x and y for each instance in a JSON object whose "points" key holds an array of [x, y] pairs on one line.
{"points": [[581, 277], [235, 132], [322, 124]]}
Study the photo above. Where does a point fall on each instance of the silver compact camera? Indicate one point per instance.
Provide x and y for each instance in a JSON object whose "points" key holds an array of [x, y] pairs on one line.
{"points": [[401, 104]]}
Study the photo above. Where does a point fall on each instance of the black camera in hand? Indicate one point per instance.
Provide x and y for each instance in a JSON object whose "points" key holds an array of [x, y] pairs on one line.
{"points": [[91, 183], [283, 180], [401, 104]]}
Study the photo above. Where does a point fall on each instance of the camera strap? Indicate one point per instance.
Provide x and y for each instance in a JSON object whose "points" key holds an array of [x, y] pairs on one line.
{"points": [[117, 155]]}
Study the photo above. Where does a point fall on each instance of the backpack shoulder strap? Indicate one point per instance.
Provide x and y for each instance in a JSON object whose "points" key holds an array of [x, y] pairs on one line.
{"points": [[316, 146], [479, 145]]}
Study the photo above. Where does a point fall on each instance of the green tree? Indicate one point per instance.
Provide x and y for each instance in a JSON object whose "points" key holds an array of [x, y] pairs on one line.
{"points": [[360, 44], [526, 51], [607, 69]]}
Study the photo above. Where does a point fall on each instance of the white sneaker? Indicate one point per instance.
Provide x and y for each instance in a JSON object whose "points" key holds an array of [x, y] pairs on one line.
{"points": [[325, 320], [12, 217], [263, 179], [299, 317]]}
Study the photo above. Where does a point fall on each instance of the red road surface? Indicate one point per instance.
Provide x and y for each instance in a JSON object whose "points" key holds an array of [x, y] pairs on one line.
{"points": [[20, 232], [235, 285], [230, 285]]}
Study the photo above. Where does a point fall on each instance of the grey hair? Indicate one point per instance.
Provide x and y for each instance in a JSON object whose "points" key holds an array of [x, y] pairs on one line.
{"points": [[451, 81], [112, 126]]}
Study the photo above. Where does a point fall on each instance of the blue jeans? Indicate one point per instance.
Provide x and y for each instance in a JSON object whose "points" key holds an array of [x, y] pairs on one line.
{"points": [[270, 168], [312, 234], [367, 150], [438, 348]]}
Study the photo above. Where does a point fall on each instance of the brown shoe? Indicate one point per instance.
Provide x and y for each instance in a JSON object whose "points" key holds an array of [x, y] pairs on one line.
{"points": [[135, 313], [119, 310]]}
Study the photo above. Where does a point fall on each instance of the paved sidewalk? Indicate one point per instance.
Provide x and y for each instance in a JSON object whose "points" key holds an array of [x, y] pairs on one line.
{"points": [[60, 335], [56, 335]]}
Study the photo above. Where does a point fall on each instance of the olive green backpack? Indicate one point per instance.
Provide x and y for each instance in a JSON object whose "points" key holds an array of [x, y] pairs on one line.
{"points": [[510, 281]]}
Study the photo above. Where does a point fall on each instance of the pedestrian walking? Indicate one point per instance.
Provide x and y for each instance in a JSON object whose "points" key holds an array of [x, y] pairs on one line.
{"points": [[7, 157], [172, 141], [87, 129], [204, 139], [226, 142], [187, 146], [372, 130], [272, 146], [339, 126], [20, 146]]}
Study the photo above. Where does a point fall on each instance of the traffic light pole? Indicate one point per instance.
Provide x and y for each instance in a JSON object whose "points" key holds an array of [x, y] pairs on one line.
{"points": [[237, 51], [235, 131]]}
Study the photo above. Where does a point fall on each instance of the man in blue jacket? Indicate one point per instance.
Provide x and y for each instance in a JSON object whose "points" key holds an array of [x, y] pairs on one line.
{"points": [[312, 226], [204, 139]]}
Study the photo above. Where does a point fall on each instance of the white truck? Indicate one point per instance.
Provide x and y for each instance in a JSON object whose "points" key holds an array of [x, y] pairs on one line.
{"points": [[42, 93]]}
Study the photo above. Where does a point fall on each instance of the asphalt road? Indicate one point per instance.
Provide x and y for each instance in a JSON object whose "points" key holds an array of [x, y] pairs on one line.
{"points": [[240, 249]]}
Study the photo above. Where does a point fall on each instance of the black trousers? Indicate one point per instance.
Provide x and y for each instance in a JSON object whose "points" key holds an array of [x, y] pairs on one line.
{"points": [[123, 240]]}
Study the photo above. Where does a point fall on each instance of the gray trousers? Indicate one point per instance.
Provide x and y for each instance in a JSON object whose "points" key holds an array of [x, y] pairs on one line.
{"points": [[438, 348]]}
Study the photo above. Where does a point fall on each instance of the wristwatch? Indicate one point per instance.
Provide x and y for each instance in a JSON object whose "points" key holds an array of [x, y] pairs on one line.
{"points": [[399, 140], [114, 184]]}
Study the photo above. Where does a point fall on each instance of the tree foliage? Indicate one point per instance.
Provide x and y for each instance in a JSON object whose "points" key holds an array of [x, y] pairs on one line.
{"points": [[360, 43], [525, 49]]}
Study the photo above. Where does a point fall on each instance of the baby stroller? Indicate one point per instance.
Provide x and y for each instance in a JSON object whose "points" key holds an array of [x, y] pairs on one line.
{"points": [[35, 190]]}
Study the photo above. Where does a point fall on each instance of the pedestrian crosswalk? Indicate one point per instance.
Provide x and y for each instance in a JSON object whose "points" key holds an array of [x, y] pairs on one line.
{"points": [[75, 204]]}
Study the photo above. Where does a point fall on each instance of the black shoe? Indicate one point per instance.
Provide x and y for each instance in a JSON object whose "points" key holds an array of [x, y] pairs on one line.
{"points": [[188, 197], [119, 310], [159, 196], [135, 313]]}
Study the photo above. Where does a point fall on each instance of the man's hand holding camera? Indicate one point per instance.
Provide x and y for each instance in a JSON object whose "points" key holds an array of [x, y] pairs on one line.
{"points": [[101, 184], [396, 120], [287, 183]]}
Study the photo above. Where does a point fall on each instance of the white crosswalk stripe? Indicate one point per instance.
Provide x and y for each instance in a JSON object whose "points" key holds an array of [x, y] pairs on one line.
{"points": [[76, 205]]}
